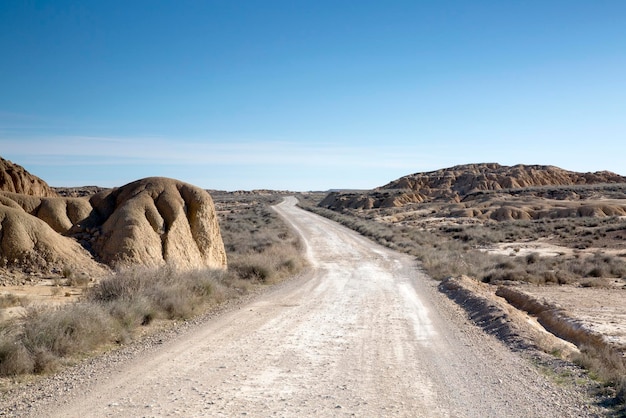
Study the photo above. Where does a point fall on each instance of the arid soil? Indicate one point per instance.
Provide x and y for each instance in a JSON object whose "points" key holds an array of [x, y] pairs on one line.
{"points": [[600, 309], [364, 333], [520, 213]]}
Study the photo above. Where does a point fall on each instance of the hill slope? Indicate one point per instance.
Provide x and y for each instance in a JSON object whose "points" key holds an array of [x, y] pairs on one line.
{"points": [[14, 178], [456, 182], [477, 186], [150, 222]]}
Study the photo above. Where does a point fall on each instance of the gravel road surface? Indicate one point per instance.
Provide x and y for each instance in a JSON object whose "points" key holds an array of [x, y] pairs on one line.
{"points": [[363, 333]]}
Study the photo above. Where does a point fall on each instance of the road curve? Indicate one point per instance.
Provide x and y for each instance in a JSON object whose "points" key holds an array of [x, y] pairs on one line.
{"points": [[363, 333]]}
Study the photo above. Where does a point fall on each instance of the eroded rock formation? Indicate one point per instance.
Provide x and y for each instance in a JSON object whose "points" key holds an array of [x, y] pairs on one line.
{"points": [[151, 222], [14, 178], [477, 181], [155, 221]]}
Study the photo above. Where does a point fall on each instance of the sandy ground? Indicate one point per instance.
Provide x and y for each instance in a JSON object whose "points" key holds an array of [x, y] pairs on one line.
{"points": [[43, 292], [364, 333], [545, 249], [600, 309], [597, 309]]}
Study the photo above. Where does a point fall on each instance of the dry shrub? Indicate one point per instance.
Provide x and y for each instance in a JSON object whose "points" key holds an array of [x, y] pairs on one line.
{"points": [[131, 313], [14, 357], [137, 295], [620, 391], [66, 330], [78, 280], [606, 362], [39, 342], [608, 366], [123, 285], [269, 266], [9, 300]]}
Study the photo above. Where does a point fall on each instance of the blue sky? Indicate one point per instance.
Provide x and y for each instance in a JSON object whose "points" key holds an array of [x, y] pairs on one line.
{"points": [[308, 95]]}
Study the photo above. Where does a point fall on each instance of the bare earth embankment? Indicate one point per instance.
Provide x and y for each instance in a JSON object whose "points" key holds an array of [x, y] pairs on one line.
{"points": [[364, 333]]}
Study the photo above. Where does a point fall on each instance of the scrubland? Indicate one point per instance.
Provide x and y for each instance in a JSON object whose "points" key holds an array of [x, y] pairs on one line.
{"points": [[579, 252], [103, 313]]}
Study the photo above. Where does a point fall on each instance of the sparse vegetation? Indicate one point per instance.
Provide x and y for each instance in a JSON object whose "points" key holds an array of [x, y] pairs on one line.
{"points": [[259, 245], [261, 249], [9, 300], [453, 250], [449, 249]]}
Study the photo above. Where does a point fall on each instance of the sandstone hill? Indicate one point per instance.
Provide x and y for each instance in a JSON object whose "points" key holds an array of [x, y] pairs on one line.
{"points": [[149, 222], [14, 178], [497, 192], [154, 221], [456, 182]]}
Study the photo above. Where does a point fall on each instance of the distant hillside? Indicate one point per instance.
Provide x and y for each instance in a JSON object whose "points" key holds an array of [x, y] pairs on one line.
{"points": [[460, 180], [456, 183], [14, 178]]}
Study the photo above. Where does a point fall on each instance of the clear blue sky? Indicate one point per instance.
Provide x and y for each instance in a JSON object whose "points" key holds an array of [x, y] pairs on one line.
{"points": [[308, 95]]}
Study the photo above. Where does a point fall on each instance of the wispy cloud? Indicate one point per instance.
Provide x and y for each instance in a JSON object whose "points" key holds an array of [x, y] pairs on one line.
{"points": [[76, 150]]}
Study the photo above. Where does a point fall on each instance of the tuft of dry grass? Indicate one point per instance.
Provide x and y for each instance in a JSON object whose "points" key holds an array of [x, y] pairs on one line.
{"points": [[39, 342], [139, 295], [9, 300]]}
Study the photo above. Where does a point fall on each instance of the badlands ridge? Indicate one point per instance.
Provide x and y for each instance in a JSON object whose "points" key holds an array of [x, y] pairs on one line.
{"points": [[152, 221]]}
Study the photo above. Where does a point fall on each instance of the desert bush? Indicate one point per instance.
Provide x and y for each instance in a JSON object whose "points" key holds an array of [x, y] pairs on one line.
{"points": [[139, 295], [78, 280], [9, 300], [260, 247], [66, 330], [39, 342], [532, 258], [606, 365], [620, 391], [131, 313], [14, 357]]}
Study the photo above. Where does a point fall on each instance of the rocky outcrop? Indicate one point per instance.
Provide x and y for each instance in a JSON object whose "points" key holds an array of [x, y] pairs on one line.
{"points": [[456, 182], [151, 222], [509, 211], [155, 221], [14, 178], [30, 244], [60, 213], [471, 182]]}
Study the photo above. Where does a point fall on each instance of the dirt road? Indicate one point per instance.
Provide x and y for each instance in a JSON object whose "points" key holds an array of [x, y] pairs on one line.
{"points": [[362, 334]]}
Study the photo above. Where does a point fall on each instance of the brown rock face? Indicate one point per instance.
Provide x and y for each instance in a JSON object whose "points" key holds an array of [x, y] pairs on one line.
{"points": [[28, 242], [60, 213], [457, 183], [150, 222], [155, 221], [14, 178]]}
